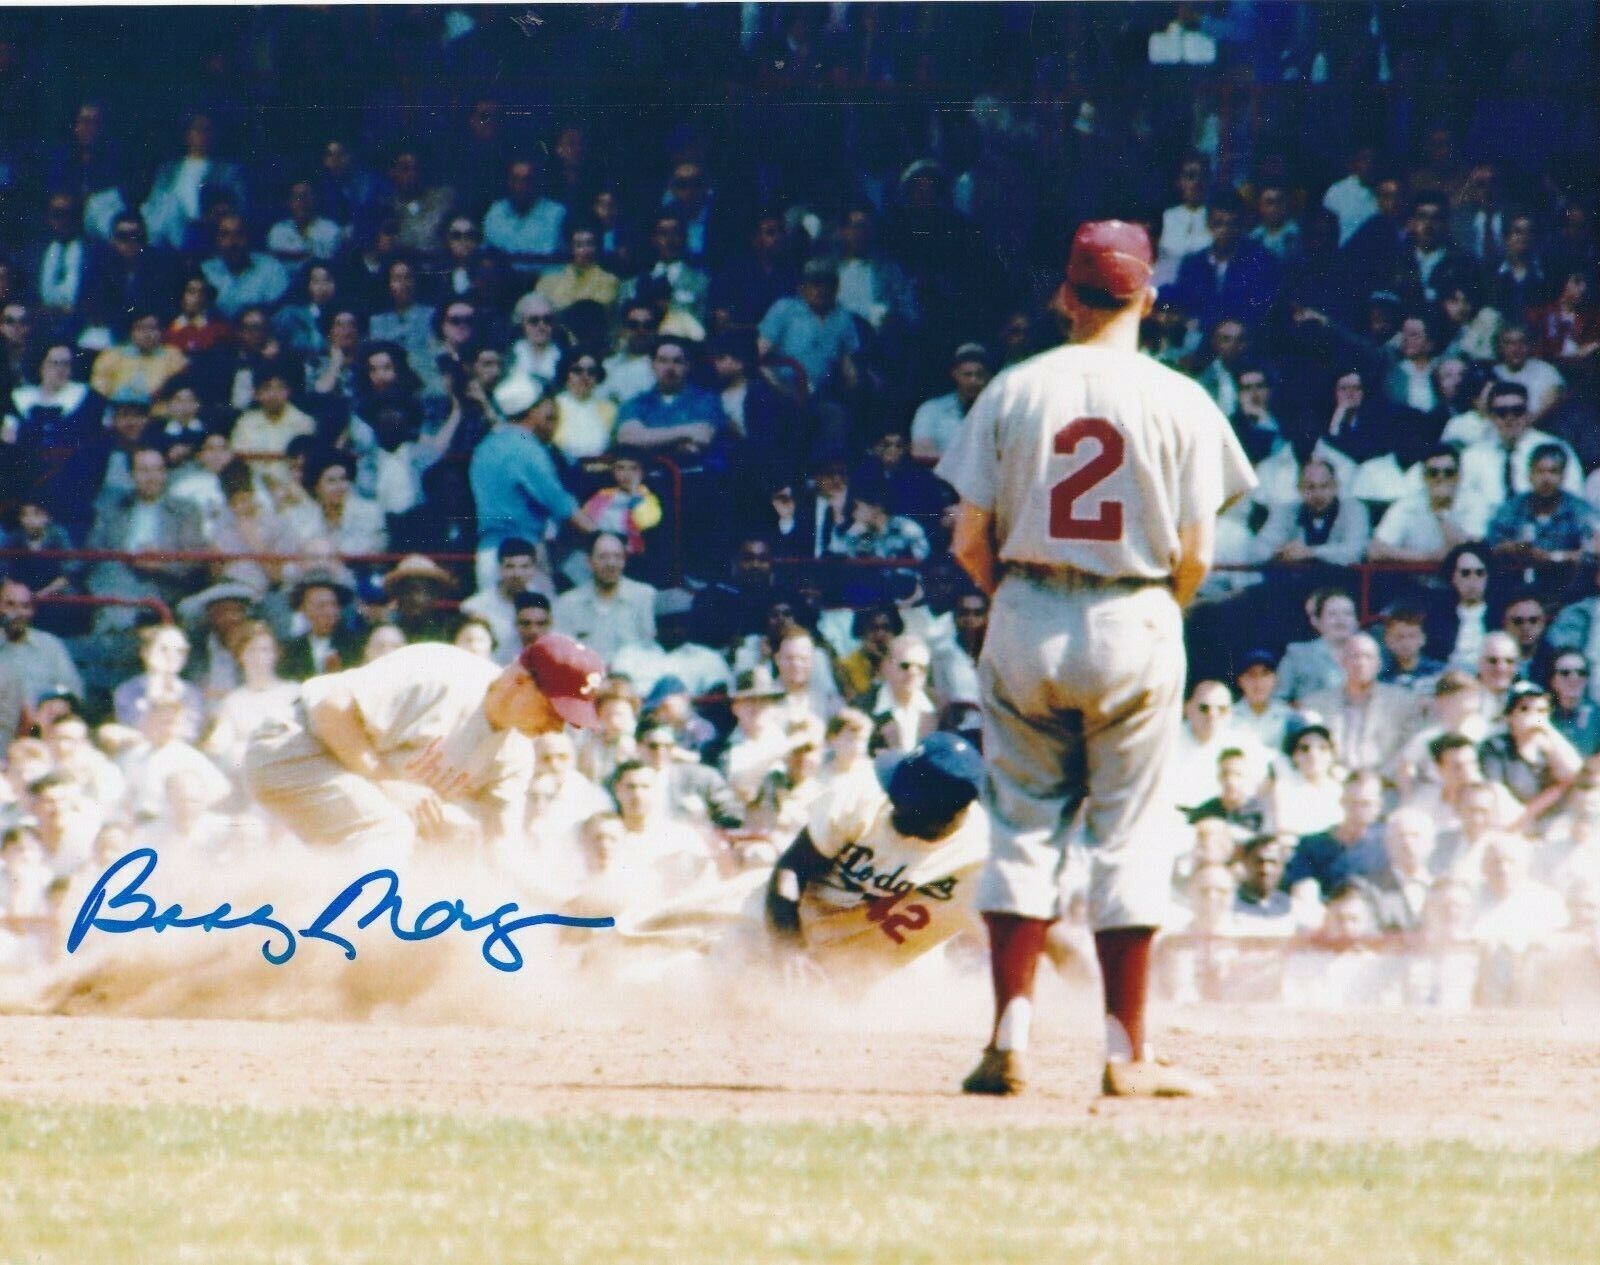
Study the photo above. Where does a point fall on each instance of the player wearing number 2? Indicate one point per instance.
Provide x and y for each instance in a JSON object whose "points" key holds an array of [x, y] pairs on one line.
{"points": [[1090, 479]]}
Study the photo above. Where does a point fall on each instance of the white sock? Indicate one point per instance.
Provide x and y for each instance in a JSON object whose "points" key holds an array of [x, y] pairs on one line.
{"points": [[1015, 1022], [1119, 1049]]}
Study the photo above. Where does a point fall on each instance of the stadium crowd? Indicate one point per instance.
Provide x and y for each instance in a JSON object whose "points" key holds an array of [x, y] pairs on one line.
{"points": [[471, 361]]}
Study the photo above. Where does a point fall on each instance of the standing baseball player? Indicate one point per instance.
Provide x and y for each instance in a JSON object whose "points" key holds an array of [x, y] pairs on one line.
{"points": [[1090, 480], [428, 742]]}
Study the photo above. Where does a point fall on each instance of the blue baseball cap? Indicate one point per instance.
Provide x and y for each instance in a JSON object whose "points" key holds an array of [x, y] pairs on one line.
{"points": [[943, 772]]}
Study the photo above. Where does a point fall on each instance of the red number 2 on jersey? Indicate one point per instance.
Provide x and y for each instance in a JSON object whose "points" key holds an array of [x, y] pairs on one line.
{"points": [[1107, 521]]}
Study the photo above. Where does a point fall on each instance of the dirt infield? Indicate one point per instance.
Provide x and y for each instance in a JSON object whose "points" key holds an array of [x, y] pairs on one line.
{"points": [[1493, 1079]]}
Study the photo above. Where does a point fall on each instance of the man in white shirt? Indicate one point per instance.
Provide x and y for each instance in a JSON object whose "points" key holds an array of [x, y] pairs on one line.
{"points": [[1352, 198], [609, 611], [523, 225], [1516, 363], [902, 712], [1368, 723], [1423, 527], [1260, 713], [628, 372], [1498, 468], [701, 669], [1207, 732], [937, 420], [1323, 527]]}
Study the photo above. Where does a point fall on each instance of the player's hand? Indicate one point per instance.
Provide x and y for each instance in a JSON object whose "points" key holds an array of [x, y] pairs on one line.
{"points": [[419, 803], [435, 770]]}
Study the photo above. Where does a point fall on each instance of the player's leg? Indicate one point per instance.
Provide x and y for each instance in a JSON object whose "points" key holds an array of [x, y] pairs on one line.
{"points": [[1034, 754], [293, 776], [1132, 831]]}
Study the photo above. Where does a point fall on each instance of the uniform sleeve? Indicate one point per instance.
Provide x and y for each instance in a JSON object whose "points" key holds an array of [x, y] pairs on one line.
{"points": [[1216, 472], [839, 818], [971, 464]]}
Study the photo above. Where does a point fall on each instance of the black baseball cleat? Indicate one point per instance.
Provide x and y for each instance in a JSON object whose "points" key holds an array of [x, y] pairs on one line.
{"points": [[999, 1073]]}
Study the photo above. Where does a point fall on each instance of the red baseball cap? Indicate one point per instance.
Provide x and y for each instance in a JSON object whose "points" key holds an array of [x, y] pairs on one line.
{"points": [[568, 674], [1111, 255]]}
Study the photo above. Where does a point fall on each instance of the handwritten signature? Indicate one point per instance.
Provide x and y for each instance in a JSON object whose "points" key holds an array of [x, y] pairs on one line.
{"points": [[527, 22], [137, 910]]}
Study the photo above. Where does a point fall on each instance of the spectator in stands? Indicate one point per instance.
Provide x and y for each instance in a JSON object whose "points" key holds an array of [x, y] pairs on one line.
{"points": [[1276, 230], [1423, 527], [525, 226], [67, 821], [534, 617], [1529, 757], [1207, 731], [240, 276], [687, 790], [37, 660], [1352, 199], [303, 234], [197, 329], [903, 486], [809, 691], [626, 508], [1410, 383], [586, 418], [405, 322], [870, 285], [629, 371], [1495, 470], [1229, 345], [674, 653], [664, 855], [336, 513], [261, 695], [1351, 849], [1323, 528], [1404, 639], [1459, 621], [271, 425], [1524, 617], [1544, 530], [144, 520], [164, 651], [1577, 628], [937, 420], [1308, 666], [420, 210], [1400, 886], [902, 711], [329, 643], [1519, 283], [1184, 227], [815, 331], [1238, 802], [518, 573], [131, 276], [747, 286], [58, 412], [874, 628], [1368, 722], [303, 327], [139, 367], [685, 421], [250, 524], [516, 475], [1479, 809], [875, 533], [685, 286], [1567, 329], [1573, 713], [582, 278], [608, 611], [36, 532], [1515, 363], [538, 353], [174, 202], [1233, 276], [1517, 910], [765, 422], [1261, 713], [1261, 907], [421, 591], [1500, 665]]}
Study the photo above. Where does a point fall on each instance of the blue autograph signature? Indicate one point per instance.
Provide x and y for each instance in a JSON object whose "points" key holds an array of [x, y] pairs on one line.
{"points": [[145, 914]]}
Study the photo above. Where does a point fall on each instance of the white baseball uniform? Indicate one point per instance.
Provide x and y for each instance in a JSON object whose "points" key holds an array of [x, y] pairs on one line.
{"points": [[406, 700], [1091, 460]]}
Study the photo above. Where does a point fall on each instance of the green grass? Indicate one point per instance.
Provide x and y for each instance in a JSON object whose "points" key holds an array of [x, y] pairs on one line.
{"points": [[123, 1186]]}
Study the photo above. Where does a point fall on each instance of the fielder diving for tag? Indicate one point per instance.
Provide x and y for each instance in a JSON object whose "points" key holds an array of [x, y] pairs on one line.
{"points": [[428, 742]]}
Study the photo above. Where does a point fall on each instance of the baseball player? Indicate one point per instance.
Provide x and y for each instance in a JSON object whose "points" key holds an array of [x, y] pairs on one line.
{"points": [[883, 872], [1090, 479], [427, 742]]}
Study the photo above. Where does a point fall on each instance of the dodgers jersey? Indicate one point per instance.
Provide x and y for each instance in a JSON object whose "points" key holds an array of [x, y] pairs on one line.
{"points": [[1093, 459], [886, 892]]}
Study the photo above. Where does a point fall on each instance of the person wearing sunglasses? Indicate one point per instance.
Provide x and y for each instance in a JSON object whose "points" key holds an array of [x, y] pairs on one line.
{"points": [[1458, 619], [1574, 714], [1424, 526], [537, 353], [1577, 629], [588, 418], [1494, 470]]}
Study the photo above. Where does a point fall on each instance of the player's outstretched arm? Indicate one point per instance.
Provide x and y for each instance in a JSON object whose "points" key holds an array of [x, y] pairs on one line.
{"points": [[800, 865]]}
